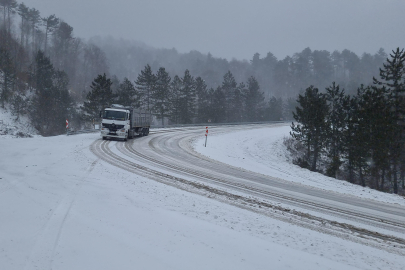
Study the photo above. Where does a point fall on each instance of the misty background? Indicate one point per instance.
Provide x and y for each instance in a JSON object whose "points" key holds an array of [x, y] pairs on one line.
{"points": [[238, 29]]}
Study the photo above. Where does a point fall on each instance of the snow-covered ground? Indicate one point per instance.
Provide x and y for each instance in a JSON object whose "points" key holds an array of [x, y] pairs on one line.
{"points": [[62, 208], [12, 128], [262, 151]]}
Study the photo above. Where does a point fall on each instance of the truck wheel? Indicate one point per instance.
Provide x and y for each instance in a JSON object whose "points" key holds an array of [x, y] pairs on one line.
{"points": [[147, 131], [104, 138]]}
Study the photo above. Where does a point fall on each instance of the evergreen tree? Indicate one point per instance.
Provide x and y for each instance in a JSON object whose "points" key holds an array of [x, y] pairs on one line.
{"points": [[127, 94], [175, 100], [351, 147], [18, 105], [229, 87], [9, 7], [373, 133], [336, 122], [311, 127], [218, 108], [187, 98], [161, 94], [50, 23], [100, 97], [393, 77], [41, 76], [289, 107], [8, 78], [34, 18], [254, 100], [145, 84], [274, 111], [203, 111], [51, 102], [23, 11], [62, 103]]}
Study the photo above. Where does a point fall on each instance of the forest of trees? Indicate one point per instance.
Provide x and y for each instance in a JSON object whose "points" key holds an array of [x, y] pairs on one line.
{"points": [[185, 99], [359, 138]]}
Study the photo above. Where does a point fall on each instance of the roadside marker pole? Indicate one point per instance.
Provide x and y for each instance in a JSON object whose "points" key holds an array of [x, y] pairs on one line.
{"points": [[67, 127], [206, 136]]}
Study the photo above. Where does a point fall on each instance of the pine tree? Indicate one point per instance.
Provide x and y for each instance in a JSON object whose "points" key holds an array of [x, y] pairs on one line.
{"points": [[254, 100], [187, 98], [393, 77], [50, 23], [51, 102], [202, 100], [374, 128], [161, 94], [218, 109], [351, 147], [229, 87], [62, 103], [336, 120], [127, 94], [23, 11], [145, 84], [100, 97], [175, 100], [42, 72], [311, 128], [8, 78], [274, 110], [18, 105], [236, 108], [34, 18]]}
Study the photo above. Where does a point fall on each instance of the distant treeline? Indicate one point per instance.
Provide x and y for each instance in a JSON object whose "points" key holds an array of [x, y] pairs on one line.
{"points": [[360, 138], [277, 77], [186, 100]]}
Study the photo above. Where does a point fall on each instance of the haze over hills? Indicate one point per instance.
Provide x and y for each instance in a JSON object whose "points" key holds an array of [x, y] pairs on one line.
{"points": [[238, 29]]}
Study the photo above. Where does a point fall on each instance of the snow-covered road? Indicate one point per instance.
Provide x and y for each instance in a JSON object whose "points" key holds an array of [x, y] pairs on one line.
{"points": [[62, 207]]}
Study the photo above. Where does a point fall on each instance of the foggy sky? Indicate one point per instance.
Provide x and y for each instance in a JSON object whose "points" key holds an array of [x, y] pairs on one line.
{"points": [[238, 28]]}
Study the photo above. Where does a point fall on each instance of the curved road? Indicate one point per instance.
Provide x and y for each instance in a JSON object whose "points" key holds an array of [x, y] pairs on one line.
{"points": [[167, 155]]}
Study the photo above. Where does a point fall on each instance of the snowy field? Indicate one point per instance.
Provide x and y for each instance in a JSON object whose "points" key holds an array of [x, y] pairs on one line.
{"points": [[62, 208]]}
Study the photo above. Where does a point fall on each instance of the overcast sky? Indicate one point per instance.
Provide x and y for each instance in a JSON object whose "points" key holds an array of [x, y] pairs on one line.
{"points": [[238, 28]]}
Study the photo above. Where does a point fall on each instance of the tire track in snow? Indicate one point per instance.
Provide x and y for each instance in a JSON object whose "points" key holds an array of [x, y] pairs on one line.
{"points": [[43, 252], [356, 234]]}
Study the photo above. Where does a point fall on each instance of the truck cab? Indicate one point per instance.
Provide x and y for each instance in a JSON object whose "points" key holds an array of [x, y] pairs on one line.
{"points": [[115, 123]]}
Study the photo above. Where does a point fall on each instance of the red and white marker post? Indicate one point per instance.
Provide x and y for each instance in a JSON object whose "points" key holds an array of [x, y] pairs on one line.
{"points": [[67, 126], [206, 136]]}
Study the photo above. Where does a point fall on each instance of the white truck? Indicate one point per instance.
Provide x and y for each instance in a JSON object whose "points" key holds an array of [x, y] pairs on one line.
{"points": [[124, 122]]}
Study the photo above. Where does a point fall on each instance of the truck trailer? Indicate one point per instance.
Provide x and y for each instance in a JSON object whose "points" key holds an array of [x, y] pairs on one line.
{"points": [[124, 122]]}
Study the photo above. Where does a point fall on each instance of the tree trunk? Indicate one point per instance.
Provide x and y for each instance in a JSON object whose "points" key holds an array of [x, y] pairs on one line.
{"points": [[382, 180], [315, 158], [395, 177]]}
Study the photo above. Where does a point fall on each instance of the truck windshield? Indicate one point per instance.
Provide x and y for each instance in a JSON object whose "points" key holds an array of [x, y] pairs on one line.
{"points": [[114, 115]]}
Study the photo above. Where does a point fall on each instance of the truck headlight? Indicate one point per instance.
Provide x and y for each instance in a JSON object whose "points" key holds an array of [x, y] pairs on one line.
{"points": [[122, 130]]}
